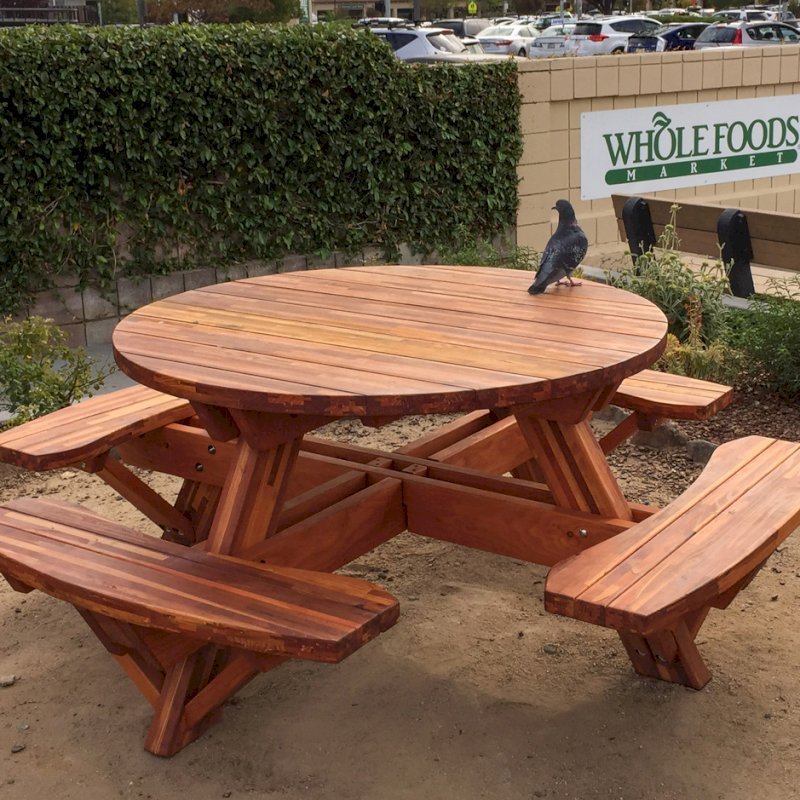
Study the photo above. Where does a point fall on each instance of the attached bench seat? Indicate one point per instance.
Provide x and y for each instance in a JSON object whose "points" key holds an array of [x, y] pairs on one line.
{"points": [[154, 603], [655, 582], [90, 428]]}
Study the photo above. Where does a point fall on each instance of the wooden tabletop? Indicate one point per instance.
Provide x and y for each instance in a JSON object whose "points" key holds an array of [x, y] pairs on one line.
{"points": [[388, 340]]}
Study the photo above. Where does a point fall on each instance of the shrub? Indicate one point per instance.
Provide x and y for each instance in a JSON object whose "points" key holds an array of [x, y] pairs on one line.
{"points": [[688, 297], [768, 335], [39, 372], [128, 150], [483, 253]]}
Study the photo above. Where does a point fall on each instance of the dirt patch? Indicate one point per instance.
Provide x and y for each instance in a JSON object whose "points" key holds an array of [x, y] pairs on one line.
{"points": [[476, 693]]}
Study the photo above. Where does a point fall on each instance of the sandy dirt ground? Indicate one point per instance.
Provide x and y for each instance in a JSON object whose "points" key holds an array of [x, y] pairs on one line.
{"points": [[475, 693]]}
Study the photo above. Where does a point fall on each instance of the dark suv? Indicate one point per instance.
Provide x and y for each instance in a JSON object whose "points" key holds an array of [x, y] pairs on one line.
{"points": [[463, 27]]}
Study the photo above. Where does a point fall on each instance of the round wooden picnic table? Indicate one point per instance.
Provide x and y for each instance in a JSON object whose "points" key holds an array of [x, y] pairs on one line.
{"points": [[388, 340]]}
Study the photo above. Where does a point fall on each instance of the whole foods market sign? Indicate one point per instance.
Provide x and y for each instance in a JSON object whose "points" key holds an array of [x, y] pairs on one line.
{"points": [[670, 147]]}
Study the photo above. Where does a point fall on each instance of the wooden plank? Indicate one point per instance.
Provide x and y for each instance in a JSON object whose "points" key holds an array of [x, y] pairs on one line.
{"points": [[111, 570], [686, 555], [89, 428]]}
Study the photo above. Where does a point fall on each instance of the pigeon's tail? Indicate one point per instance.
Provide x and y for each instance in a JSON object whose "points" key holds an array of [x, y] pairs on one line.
{"points": [[536, 287]]}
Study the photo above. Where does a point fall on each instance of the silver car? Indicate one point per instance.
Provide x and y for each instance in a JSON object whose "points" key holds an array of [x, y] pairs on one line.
{"points": [[747, 34], [550, 42], [514, 40]]}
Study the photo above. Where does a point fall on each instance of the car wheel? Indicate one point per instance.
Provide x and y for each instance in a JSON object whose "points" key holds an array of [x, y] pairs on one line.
{"points": [[522, 52], [617, 51]]}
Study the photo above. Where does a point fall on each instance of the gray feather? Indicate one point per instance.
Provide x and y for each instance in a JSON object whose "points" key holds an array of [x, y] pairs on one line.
{"points": [[564, 251]]}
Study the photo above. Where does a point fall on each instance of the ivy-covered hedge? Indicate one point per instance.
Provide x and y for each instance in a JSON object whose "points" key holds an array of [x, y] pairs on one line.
{"points": [[127, 151]]}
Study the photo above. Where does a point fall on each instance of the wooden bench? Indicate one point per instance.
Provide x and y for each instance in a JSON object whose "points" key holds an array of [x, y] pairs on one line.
{"points": [[767, 239], [156, 606], [656, 582]]}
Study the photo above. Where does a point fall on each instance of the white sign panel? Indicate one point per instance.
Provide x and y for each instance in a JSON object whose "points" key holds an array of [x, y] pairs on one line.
{"points": [[671, 147]]}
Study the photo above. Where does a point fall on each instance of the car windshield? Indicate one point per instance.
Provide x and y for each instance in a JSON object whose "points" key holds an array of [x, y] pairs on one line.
{"points": [[722, 35], [587, 29], [446, 42]]}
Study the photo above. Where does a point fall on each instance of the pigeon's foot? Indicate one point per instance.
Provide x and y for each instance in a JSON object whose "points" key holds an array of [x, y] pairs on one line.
{"points": [[569, 282]]}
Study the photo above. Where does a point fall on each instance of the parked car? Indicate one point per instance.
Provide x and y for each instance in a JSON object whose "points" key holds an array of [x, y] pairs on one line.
{"points": [[550, 42], [674, 36], [427, 45], [747, 34], [471, 26], [548, 20], [606, 36], [739, 15], [515, 40]]}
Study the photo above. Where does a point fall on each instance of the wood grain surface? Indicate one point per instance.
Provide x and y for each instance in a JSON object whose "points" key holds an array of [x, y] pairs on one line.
{"points": [[387, 340]]}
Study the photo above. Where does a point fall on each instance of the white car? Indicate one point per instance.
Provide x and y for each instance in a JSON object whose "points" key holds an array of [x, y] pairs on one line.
{"points": [[428, 45], [550, 42], [600, 37], [514, 40]]}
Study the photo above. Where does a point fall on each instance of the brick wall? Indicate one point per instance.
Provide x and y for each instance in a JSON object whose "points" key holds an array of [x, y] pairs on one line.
{"points": [[556, 91]]}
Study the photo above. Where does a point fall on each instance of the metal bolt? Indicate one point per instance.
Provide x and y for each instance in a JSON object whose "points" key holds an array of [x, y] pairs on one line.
{"points": [[212, 449], [198, 467], [582, 533]]}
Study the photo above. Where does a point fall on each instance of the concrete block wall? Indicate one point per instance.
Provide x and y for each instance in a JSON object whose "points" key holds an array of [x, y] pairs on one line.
{"points": [[89, 316], [556, 91]]}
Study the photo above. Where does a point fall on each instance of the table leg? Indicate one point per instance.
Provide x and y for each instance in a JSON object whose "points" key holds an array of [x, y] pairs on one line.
{"points": [[573, 465]]}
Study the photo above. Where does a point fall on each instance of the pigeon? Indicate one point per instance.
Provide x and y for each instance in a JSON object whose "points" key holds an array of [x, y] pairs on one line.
{"points": [[564, 251]]}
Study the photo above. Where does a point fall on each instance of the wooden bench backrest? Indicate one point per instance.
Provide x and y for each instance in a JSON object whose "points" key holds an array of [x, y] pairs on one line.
{"points": [[775, 237]]}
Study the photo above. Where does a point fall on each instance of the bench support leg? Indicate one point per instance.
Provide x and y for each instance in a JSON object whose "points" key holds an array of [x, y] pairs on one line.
{"points": [[670, 655]]}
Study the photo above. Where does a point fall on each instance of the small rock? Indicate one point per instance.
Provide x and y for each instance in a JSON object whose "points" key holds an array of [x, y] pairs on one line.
{"points": [[23, 727], [666, 435], [551, 649], [7, 680], [69, 474], [17, 748], [700, 450], [774, 598], [610, 414], [227, 794]]}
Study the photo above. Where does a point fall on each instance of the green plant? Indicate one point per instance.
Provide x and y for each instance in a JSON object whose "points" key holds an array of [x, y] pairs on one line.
{"points": [[483, 253], [663, 277], [128, 151], [713, 361], [768, 335], [39, 372]]}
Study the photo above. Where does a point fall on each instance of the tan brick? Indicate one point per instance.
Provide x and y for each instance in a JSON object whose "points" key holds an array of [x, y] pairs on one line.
{"points": [[727, 94], [712, 73], [534, 208], [707, 96], [530, 176], [672, 77], [534, 236], [535, 117], [646, 101], [575, 143], [561, 85], [625, 102], [602, 103], [585, 80], [607, 230], [608, 78], [629, 79], [751, 67], [558, 176], [534, 86], [692, 74], [651, 76], [560, 144], [770, 66], [535, 148], [575, 174], [576, 108], [732, 69], [559, 116], [765, 91]]}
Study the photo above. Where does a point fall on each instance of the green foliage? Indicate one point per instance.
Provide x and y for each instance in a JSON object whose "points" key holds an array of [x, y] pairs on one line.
{"points": [[768, 335], [128, 151], [119, 12], [39, 372], [686, 296], [483, 253]]}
